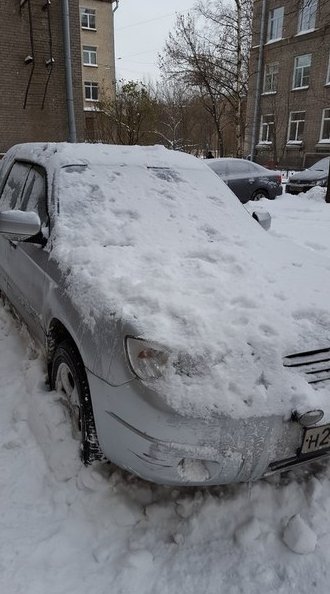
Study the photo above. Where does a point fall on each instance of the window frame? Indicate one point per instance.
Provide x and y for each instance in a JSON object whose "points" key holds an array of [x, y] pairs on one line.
{"points": [[327, 80], [273, 77], [91, 50], [89, 84], [307, 12], [266, 125], [296, 67], [325, 140], [297, 122], [275, 24], [88, 12]]}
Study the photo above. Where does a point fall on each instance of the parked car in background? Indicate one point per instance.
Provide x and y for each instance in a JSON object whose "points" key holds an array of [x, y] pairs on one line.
{"points": [[316, 175], [248, 180], [158, 303]]}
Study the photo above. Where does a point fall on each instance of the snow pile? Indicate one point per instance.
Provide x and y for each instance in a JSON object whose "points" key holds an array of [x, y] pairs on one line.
{"points": [[299, 537], [289, 214]]}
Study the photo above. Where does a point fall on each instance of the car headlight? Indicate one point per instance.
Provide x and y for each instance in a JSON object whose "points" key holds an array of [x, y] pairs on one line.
{"points": [[148, 360], [321, 182]]}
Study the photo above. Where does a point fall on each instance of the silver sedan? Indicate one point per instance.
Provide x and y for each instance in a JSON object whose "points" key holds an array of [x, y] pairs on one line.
{"points": [[126, 264]]}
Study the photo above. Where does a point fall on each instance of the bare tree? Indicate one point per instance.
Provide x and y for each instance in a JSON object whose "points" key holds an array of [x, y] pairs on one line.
{"points": [[129, 116], [208, 52]]}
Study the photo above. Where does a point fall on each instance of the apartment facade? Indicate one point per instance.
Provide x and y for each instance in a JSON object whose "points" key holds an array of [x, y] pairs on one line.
{"points": [[33, 98], [288, 108], [98, 61]]}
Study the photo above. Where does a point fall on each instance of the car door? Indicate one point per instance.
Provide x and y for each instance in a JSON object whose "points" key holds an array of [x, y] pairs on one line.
{"points": [[27, 262], [241, 179]]}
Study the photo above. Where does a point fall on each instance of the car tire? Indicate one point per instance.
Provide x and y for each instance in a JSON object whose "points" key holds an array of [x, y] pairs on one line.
{"points": [[68, 376], [259, 194]]}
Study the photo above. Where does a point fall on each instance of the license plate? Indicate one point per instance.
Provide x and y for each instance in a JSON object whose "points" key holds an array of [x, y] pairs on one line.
{"points": [[316, 438]]}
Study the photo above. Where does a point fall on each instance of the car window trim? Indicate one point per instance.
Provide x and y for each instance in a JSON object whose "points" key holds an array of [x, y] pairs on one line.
{"points": [[19, 162], [37, 166]]}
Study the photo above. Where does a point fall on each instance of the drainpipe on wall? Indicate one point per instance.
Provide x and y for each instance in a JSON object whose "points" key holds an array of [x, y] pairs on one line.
{"points": [[258, 82], [116, 7], [68, 72]]}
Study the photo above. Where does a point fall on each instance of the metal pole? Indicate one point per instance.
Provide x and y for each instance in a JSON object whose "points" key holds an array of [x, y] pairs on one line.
{"points": [[258, 82], [68, 72]]}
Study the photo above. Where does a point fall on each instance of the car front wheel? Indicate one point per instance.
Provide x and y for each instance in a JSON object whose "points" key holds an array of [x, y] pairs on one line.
{"points": [[259, 194], [68, 377]]}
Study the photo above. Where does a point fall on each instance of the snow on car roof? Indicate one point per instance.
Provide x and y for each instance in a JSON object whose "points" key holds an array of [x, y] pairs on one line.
{"points": [[64, 153]]}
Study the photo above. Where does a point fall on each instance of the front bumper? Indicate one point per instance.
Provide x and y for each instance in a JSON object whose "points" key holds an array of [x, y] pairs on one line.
{"points": [[298, 188], [164, 447]]}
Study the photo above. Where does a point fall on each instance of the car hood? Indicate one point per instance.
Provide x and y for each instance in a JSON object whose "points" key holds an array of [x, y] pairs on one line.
{"points": [[164, 248], [308, 175]]}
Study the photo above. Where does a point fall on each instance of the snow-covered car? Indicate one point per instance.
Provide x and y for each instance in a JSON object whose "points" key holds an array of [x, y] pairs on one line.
{"points": [[248, 180], [184, 340], [316, 175]]}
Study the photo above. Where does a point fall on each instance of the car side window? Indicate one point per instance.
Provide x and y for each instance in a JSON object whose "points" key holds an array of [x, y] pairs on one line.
{"points": [[34, 196], [241, 167], [220, 168], [14, 186]]}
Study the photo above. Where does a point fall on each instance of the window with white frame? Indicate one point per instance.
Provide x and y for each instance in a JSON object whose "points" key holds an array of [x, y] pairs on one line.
{"points": [[325, 126], [301, 73], [88, 18], [327, 82], [270, 78], [266, 128], [275, 24], [89, 55], [91, 91], [296, 127], [307, 15]]}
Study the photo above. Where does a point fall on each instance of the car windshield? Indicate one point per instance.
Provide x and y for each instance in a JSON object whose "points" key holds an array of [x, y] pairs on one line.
{"points": [[322, 165]]}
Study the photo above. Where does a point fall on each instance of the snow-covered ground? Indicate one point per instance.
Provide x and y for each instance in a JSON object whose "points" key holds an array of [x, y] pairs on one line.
{"points": [[66, 529]]}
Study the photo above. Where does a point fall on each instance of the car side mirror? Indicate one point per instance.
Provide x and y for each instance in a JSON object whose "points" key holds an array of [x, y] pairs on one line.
{"points": [[19, 225], [263, 217]]}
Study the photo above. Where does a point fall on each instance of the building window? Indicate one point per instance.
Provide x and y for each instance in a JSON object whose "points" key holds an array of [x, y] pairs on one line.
{"points": [[270, 78], [91, 91], [296, 127], [266, 129], [88, 19], [325, 127], [89, 55], [301, 74], [275, 24], [307, 15]]}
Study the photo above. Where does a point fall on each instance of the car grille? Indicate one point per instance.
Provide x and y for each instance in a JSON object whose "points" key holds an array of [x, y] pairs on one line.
{"points": [[314, 365]]}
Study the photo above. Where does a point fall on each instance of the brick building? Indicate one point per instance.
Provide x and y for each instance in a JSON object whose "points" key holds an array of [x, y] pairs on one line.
{"points": [[98, 61], [33, 98], [288, 109]]}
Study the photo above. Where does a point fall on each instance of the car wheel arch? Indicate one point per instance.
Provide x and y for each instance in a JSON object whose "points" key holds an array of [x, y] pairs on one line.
{"points": [[57, 333], [259, 193]]}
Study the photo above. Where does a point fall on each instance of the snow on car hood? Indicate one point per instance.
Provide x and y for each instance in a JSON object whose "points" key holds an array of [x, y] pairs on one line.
{"points": [[159, 239]]}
